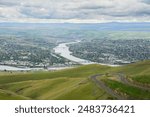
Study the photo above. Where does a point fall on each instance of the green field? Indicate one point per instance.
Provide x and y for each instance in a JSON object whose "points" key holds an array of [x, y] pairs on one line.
{"points": [[76, 83], [129, 92]]}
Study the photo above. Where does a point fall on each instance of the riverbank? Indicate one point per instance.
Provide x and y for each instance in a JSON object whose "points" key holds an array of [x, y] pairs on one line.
{"points": [[12, 68]]}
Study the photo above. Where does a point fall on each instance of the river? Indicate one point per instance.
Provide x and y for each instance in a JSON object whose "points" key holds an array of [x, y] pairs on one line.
{"points": [[63, 50], [11, 68]]}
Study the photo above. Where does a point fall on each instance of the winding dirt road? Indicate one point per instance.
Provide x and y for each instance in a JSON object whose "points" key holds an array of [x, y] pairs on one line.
{"points": [[102, 85], [121, 77]]}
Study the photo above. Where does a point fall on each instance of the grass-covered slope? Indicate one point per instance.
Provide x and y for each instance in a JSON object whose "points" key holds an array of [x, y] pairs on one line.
{"points": [[75, 83], [139, 68], [65, 84]]}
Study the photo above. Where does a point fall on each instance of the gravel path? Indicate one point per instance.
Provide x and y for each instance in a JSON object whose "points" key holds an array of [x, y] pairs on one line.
{"points": [[102, 85], [121, 77]]}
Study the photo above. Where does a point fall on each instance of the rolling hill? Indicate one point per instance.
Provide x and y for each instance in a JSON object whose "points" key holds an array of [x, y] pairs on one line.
{"points": [[89, 82]]}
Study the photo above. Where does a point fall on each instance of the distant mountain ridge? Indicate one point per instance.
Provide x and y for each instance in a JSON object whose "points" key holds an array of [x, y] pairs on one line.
{"points": [[116, 26]]}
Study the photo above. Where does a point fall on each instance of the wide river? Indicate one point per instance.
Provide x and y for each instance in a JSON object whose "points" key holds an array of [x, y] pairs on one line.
{"points": [[10, 68], [63, 50]]}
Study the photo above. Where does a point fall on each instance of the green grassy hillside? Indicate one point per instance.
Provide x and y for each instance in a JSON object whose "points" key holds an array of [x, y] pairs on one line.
{"points": [[77, 83], [139, 68]]}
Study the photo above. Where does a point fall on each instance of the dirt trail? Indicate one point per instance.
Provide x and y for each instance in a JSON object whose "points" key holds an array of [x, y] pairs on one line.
{"points": [[102, 85], [121, 77]]}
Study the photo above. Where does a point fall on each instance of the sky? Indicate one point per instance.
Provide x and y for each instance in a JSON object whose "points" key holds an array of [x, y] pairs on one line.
{"points": [[74, 11]]}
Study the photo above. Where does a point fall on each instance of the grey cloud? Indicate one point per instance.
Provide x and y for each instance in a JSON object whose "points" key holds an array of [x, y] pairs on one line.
{"points": [[91, 7], [35, 14], [9, 3], [143, 13], [76, 9], [146, 1]]}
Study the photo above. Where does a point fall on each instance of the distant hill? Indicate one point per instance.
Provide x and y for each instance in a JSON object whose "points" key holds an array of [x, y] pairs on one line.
{"points": [[111, 26], [84, 82]]}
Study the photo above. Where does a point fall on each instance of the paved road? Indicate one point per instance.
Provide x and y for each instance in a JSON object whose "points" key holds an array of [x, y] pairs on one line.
{"points": [[102, 85]]}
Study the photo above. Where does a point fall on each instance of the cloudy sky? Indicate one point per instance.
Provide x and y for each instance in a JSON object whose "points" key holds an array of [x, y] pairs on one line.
{"points": [[77, 11]]}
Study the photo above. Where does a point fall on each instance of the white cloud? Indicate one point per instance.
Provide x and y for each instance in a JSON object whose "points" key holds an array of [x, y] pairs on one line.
{"points": [[74, 10]]}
